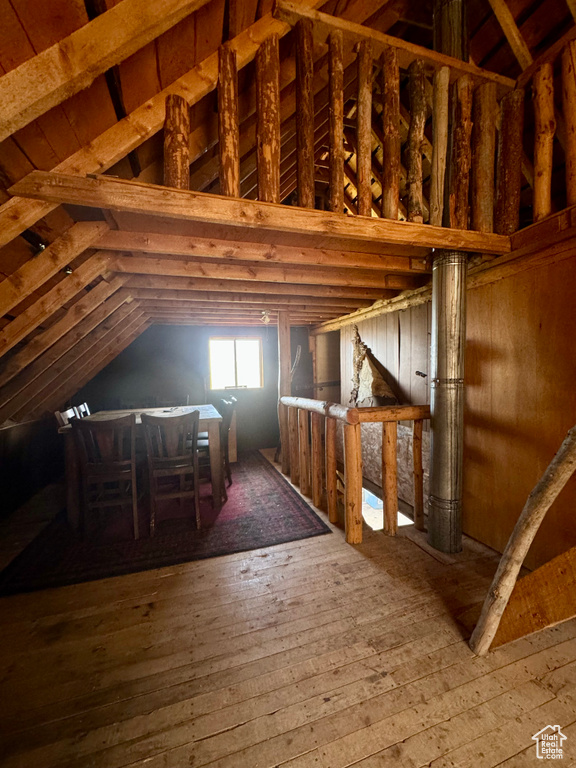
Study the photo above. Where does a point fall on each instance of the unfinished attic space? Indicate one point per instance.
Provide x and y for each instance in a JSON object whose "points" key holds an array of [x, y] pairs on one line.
{"points": [[287, 383]]}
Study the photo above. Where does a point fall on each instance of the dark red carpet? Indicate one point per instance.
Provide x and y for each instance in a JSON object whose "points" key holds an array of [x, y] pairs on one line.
{"points": [[262, 510]]}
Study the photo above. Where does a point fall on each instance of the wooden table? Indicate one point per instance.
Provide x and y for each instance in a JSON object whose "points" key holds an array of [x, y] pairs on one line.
{"points": [[209, 422]]}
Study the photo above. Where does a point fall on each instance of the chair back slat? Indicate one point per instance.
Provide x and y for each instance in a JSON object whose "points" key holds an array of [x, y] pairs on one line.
{"points": [[111, 441], [170, 437]]}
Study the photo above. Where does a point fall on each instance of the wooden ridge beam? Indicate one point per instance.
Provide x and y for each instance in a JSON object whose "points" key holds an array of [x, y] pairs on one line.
{"points": [[51, 301], [72, 64], [228, 214], [148, 265], [407, 52], [47, 368], [37, 270], [179, 245]]}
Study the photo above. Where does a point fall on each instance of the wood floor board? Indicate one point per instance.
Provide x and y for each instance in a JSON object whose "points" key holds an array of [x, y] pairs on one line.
{"points": [[313, 654]]}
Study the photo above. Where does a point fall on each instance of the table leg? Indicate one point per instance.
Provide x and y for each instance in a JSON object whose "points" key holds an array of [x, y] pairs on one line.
{"points": [[72, 482], [215, 463]]}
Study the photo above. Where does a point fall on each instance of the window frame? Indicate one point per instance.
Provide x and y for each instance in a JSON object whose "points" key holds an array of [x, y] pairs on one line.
{"points": [[235, 339]]}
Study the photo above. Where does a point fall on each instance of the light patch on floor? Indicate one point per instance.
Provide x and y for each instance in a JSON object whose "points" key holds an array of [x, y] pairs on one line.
{"points": [[373, 512]]}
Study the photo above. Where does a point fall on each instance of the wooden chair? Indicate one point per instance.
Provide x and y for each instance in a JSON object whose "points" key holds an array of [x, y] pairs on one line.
{"points": [[65, 417], [172, 457], [226, 408], [107, 454]]}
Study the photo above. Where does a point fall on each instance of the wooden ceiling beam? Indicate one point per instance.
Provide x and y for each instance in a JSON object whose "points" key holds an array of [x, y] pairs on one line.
{"points": [[178, 245], [40, 268], [148, 265], [38, 312], [238, 287], [511, 32], [253, 300], [72, 64], [227, 214]]}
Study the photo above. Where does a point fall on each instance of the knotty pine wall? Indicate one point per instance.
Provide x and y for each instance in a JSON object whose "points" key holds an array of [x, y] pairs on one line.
{"points": [[520, 395]]}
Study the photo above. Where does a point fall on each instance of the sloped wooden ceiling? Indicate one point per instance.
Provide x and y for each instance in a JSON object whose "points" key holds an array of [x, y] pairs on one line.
{"points": [[77, 283]]}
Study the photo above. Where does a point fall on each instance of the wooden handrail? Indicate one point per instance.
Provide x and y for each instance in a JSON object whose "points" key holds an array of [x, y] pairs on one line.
{"points": [[315, 471]]}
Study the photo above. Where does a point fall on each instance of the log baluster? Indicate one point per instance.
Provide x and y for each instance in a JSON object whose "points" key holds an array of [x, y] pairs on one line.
{"points": [[461, 154], [544, 130], [304, 446], [364, 129], [569, 112], [391, 133], [509, 163], [390, 476], [331, 470], [353, 483], [228, 125], [177, 142], [483, 152], [317, 421], [418, 474], [284, 386], [415, 140], [440, 115], [294, 449], [305, 112], [268, 120], [336, 87]]}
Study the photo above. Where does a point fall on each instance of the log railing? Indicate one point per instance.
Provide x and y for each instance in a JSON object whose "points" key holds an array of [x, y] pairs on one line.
{"points": [[395, 160], [312, 451]]}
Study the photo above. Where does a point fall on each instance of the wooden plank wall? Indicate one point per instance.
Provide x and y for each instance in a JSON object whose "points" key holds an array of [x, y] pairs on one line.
{"points": [[520, 395], [520, 402]]}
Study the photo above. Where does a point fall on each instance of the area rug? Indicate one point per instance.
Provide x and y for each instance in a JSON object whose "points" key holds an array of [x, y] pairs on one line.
{"points": [[262, 510]]}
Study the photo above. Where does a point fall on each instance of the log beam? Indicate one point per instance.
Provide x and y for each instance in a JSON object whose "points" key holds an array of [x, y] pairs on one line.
{"points": [[228, 123], [177, 142], [268, 126]]}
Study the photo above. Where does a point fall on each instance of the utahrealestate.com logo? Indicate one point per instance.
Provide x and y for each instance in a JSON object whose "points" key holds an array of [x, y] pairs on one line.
{"points": [[549, 743]]}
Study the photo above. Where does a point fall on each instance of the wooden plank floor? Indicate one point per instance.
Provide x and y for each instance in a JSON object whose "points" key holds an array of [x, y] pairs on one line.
{"points": [[309, 654]]}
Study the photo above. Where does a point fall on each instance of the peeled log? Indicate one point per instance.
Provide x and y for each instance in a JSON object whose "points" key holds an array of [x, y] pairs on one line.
{"points": [[416, 140], [336, 88], [364, 129], [544, 130], [483, 152], [461, 154], [569, 109], [268, 126], [440, 114], [509, 163], [391, 134], [176, 142], [228, 126]]}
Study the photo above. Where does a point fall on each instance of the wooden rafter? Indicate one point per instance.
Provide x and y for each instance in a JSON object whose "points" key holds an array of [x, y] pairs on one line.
{"points": [[72, 64]]}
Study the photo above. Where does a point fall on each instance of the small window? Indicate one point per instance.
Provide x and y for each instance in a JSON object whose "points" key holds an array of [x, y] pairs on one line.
{"points": [[235, 362]]}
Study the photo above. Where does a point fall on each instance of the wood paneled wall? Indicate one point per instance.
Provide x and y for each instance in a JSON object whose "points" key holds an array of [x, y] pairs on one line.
{"points": [[520, 395]]}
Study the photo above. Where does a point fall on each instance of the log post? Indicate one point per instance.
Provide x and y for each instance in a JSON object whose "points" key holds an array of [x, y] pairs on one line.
{"points": [[284, 388], [294, 451], [268, 120], [391, 133], [483, 154], [336, 89], [569, 112], [353, 482], [305, 113], [461, 153], [544, 130], [304, 443], [440, 113], [364, 128], [390, 476], [177, 142], [418, 474], [509, 163], [331, 470], [317, 460], [228, 126], [415, 140], [559, 471]]}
